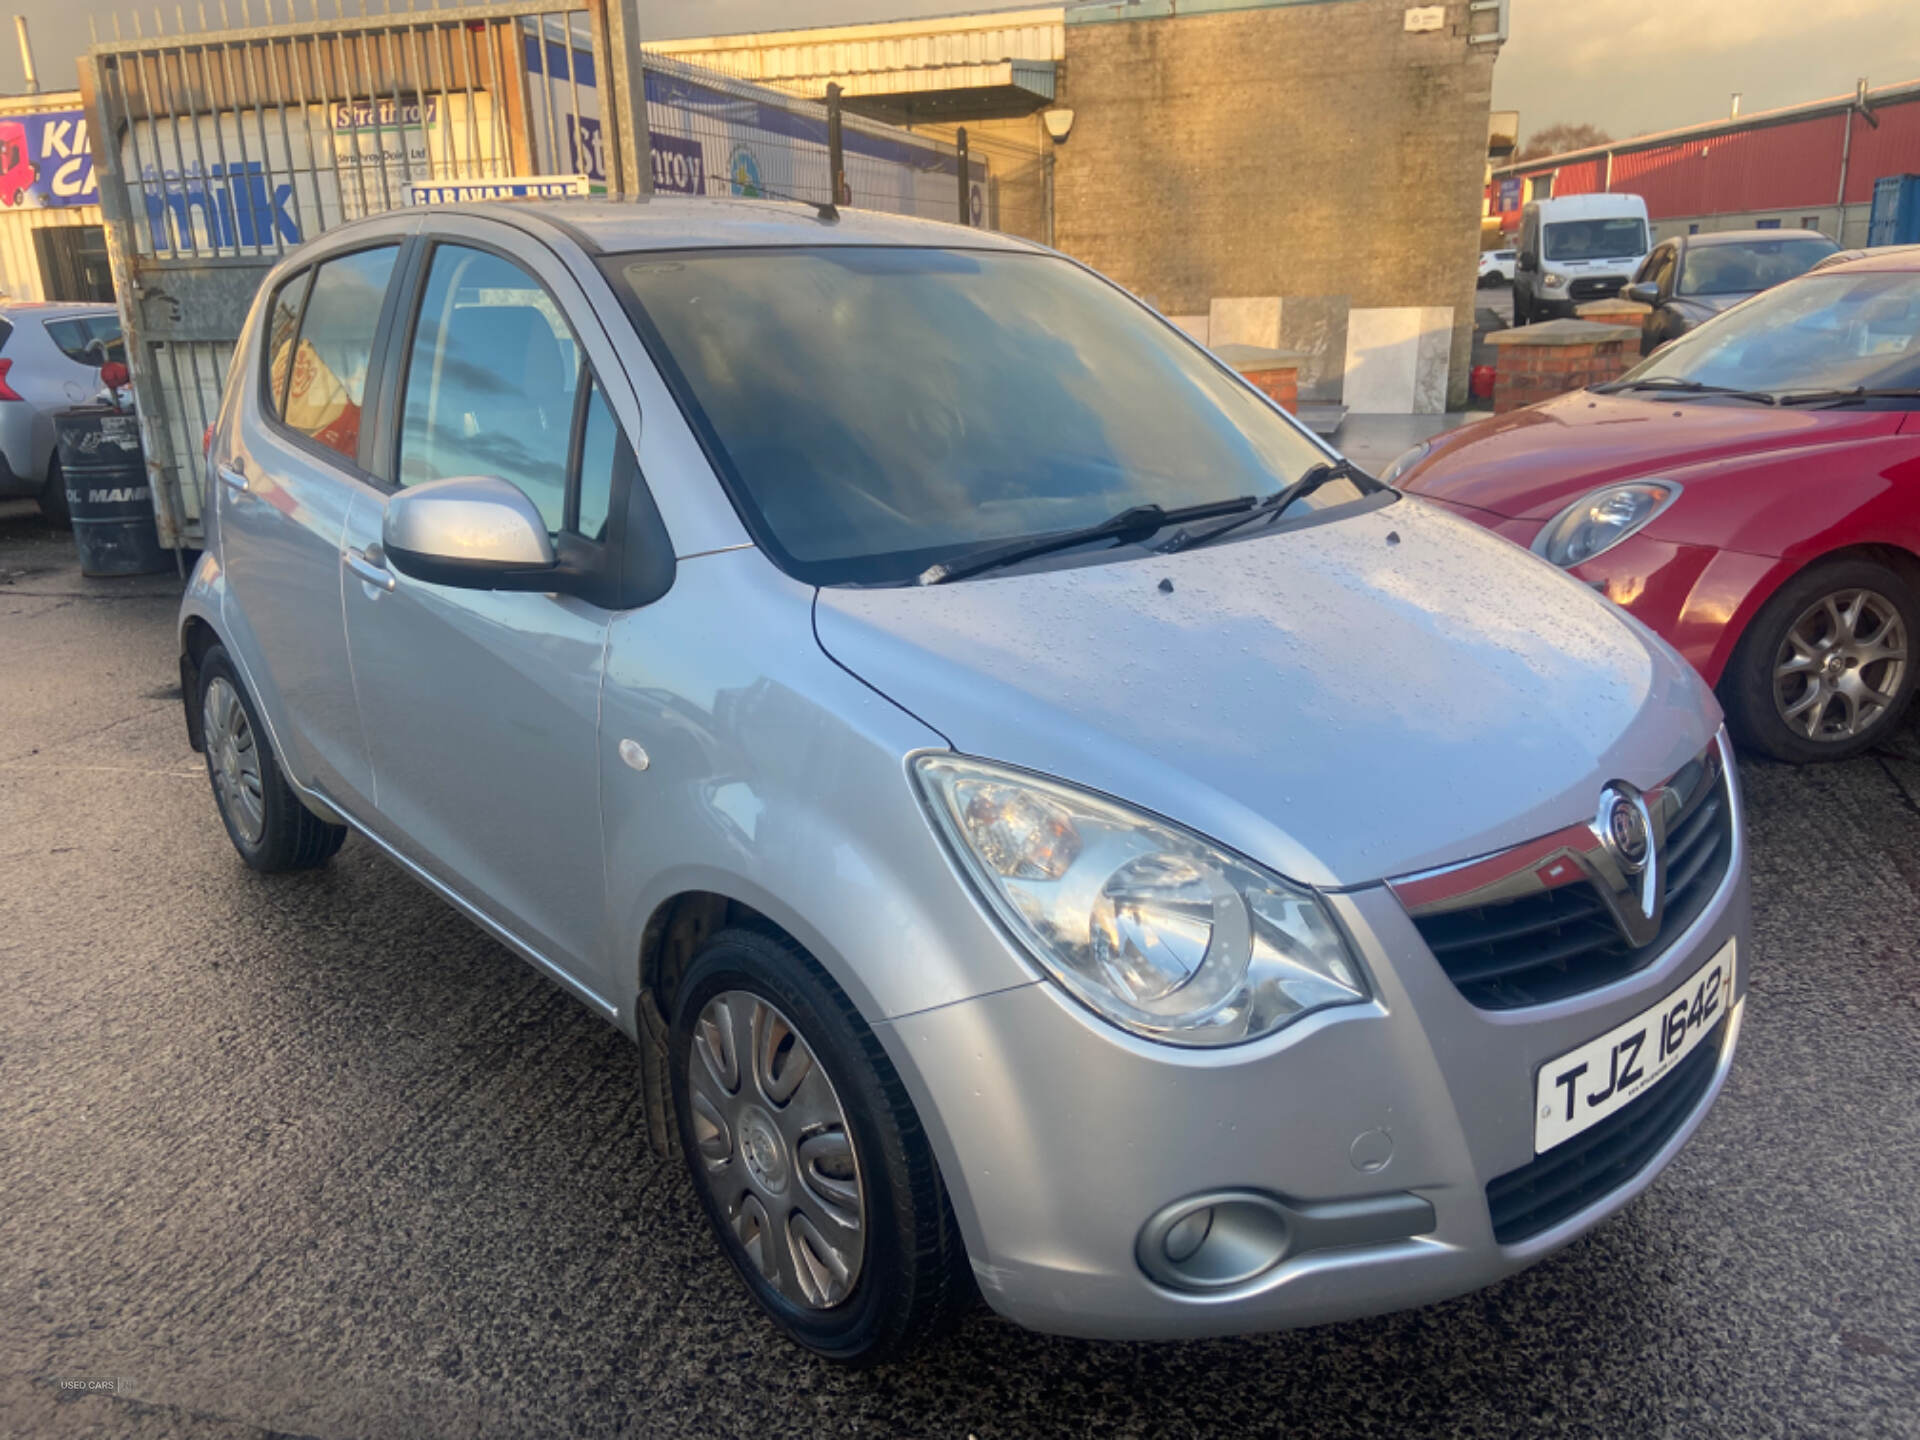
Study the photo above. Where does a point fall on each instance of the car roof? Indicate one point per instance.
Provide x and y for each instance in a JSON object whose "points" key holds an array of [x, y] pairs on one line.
{"points": [[610, 224], [1885, 257], [1746, 237], [53, 309]]}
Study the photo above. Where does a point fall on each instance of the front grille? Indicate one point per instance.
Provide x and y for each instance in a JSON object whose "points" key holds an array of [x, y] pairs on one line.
{"points": [[1562, 941], [1594, 287], [1577, 1172]]}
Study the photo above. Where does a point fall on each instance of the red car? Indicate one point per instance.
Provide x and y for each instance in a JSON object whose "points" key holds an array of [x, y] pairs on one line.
{"points": [[1750, 491]]}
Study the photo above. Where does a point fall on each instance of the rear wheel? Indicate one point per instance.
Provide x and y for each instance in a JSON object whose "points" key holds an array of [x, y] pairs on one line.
{"points": [[265, 820], [807, 1154], [53, 495], [1825, 669]]}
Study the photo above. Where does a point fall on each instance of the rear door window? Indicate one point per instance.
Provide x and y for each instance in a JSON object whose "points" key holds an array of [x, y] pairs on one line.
{"points": [[326, 373]]}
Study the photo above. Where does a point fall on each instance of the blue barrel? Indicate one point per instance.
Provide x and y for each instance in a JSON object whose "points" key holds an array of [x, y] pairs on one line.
{"points": [[109, 496]]}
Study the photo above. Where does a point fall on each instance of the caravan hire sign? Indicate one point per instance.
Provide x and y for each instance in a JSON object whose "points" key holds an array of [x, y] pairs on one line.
{"points": [[44, 161]]}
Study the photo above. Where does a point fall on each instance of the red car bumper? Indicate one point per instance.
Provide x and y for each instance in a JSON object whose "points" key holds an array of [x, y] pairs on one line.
{"points": [[1695, 597]]}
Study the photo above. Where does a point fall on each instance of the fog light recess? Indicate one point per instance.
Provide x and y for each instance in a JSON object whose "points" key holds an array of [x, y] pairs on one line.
{"points": [[1214, 1241]]}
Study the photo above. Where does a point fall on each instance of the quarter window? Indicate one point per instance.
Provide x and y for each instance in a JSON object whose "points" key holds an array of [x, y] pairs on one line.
{"points": [[326, 376], [599, 457]]}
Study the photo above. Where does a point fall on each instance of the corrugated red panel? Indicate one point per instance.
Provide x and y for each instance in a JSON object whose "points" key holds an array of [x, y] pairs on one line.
{"points": [[1777, 167], [1893, 149], [1585, 177]]}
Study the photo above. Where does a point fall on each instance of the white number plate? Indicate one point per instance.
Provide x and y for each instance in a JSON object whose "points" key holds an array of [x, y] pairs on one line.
{"points": [[1586, 1085]]}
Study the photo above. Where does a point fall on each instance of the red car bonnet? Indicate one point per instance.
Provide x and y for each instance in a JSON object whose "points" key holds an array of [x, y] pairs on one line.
{"points": [[1530, 463]]}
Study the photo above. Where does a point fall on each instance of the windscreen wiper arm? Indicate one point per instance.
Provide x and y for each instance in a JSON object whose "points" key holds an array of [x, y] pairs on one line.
{"points": [[1271, 507], [1682, 387], [1135, 523], [1858, 392]]}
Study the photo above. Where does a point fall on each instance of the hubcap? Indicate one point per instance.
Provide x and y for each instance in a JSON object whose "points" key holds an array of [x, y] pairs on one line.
{"points": [[1841, 665], [775, 1150], [233, 760]]}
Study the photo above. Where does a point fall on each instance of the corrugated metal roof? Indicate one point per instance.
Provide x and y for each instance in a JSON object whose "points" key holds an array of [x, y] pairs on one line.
{"points": [[855, 54], [1888, 95]]}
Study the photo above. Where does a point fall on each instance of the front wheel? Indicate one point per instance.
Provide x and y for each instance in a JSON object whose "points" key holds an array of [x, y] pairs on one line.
{"points": [[807, 1154], [1824, 670]]}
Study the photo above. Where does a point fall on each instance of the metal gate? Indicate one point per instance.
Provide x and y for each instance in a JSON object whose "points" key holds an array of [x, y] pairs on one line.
{"points": [[220, 149]]}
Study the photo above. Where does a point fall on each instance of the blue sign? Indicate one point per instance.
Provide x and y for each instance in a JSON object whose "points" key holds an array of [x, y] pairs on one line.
{"points": [[1509, 194], [226, 204], [679, 166], [584, 145], [44, 161], [513, 187]]}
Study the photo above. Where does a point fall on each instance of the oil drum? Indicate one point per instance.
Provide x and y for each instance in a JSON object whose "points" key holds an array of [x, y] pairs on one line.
{"points": [[109, 496]]}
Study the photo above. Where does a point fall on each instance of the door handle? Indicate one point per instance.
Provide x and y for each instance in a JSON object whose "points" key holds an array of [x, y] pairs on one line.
{"points": [[232, 479], [370, 565]]}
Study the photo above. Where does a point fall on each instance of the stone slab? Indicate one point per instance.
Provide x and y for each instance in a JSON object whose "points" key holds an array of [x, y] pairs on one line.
{"points": [[1316, 327], [1397, 360], [1244, 320]]}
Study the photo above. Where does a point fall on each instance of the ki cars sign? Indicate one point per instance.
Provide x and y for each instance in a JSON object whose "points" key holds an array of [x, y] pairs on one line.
{"points": [[44, 161]]}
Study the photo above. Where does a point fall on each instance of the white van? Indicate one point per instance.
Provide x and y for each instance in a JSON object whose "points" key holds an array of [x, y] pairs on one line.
{"points": [[1576, 249]]}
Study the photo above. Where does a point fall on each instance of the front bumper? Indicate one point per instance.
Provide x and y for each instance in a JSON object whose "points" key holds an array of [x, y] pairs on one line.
{"points": [[1060, 1137]]}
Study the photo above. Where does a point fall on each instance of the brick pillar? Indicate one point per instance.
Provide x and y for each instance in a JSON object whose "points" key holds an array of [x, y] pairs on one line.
{"points": [[1274, 373], [1280, 384], [1538, 362]]}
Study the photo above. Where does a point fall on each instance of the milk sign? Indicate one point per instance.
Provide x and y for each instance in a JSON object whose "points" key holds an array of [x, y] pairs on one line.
{"points": [[44, 161]]}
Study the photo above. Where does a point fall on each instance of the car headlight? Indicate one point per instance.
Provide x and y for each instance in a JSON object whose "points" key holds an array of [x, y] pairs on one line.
{"points": [[1149, 926], [1406, 462], [1554, 281], [1602, 520]]}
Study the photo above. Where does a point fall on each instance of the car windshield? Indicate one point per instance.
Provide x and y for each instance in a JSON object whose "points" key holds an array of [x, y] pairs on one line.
{"points": [[1614, 238], [1750, 265], [876, 410], [1830, 330], [75, 335]]}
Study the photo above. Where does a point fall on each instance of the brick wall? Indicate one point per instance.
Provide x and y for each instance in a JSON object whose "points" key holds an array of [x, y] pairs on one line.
{"points": [[1300, 149], [1540, 362]]}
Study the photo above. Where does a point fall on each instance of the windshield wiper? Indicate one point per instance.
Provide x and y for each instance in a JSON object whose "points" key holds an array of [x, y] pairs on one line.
{"points": [[1682, 387], [1840, 397], [1271, 507], [1135, 523]]}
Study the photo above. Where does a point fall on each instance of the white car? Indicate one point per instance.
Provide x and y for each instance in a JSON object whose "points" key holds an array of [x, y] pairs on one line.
{"points": [[1496, 266], [49, 361]]}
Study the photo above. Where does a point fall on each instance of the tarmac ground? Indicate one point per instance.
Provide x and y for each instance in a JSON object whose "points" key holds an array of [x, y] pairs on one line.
{"points": [[310, 1156]]}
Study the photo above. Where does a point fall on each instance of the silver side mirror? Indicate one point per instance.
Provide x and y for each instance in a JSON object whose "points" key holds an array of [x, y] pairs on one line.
{"points": [[1644, 291], [472, 531]]}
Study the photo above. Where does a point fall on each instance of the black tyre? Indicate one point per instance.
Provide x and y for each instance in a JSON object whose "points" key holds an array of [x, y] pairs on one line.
{"points": [[808, 1156], [1825, 669], [53, 496], [265, 820]]}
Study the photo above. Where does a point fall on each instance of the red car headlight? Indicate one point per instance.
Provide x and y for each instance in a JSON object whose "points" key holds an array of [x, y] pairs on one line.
{"points": [[1602, 519]]}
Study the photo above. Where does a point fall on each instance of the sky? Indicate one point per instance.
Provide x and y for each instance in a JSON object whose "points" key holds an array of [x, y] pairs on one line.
{"points": [[1628, 66]]}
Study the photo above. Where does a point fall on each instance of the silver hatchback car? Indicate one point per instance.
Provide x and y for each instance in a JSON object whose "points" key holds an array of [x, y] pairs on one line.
{"points": [[1054, 829]]}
